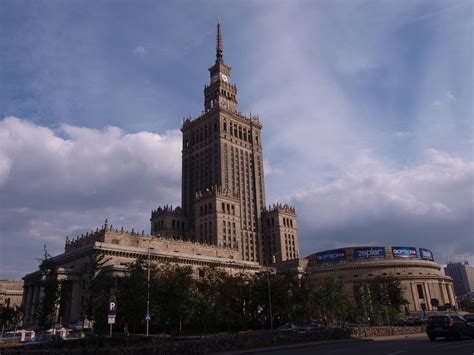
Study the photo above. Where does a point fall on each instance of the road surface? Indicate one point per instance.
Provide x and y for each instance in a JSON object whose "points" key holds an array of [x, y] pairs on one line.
{"points": [[398, 345]]}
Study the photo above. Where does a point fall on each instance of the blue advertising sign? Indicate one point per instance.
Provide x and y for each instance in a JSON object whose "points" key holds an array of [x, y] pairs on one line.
{"points": [[404, 252], [330, 256], [369, 253], [426, 254]]}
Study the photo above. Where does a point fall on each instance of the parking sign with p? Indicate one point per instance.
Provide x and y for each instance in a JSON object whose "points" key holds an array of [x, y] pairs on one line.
{"points": [[112, 307]]}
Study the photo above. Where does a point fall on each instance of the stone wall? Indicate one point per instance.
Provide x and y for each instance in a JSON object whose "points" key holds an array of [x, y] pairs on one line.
{"points": [[368, 332]]}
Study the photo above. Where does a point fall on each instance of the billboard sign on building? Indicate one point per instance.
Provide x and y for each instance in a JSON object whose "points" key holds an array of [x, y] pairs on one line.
{"points": [[330, 256], [426, 254], [369, 253], [404, 252]]}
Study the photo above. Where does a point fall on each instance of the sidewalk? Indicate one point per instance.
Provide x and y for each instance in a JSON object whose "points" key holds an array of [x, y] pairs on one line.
{"points": [[291, 346], [400, 337]]}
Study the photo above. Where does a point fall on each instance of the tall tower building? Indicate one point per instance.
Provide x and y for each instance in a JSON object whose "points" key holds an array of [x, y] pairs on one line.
{"points": [[223, 192]]}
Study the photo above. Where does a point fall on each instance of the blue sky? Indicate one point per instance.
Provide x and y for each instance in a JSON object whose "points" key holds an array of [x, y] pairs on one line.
{"points": [[367, 109]]}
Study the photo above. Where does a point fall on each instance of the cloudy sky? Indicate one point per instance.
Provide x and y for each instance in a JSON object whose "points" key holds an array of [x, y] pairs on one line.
{"points": [[367, 109]]}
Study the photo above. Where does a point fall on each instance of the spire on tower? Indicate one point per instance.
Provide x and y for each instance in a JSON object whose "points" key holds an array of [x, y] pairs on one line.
{"points": [[219, 41]]}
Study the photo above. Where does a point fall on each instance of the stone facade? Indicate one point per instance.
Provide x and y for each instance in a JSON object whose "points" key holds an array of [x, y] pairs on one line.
{"points": [[223, 189], [11, 293], [122, 248], [421, 279]]}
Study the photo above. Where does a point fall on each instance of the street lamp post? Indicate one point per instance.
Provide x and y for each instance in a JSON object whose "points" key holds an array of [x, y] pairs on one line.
{"points": [[269, 299]]}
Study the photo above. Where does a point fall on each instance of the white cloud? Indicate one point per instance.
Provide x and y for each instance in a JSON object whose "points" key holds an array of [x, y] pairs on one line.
{"points": [[403, 134], [422, 200], [54, 183], [269, 169], [140, 51]]}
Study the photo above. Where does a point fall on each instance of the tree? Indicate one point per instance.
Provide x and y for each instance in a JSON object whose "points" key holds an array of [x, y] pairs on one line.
{"points": [[96, 288], [332, 301], [377, 298], [10, 317], [172, 293], [132, 295], [49, 291], [467, 305]]}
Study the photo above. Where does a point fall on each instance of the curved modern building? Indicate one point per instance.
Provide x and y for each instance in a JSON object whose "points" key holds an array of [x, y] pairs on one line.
{"points": [[423, 284]]}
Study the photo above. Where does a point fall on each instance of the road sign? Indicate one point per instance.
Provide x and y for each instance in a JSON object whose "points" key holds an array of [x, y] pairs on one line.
{"points": [[111, 320], [148, 316], [112, 307]]}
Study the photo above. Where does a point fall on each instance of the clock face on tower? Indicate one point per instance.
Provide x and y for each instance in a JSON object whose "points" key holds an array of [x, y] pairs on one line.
{"points": [[224, 78], [214, 79]]}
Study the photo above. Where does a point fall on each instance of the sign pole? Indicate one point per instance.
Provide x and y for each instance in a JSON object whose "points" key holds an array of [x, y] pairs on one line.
{"points": [[112, 313]]}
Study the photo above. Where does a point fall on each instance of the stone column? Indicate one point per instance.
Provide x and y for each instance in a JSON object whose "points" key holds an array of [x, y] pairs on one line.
{"points": [[57, 307], [414, 293], [28, 297], [427, 292], [452, 299], [444, 293], [34, 303], [24, 296]]}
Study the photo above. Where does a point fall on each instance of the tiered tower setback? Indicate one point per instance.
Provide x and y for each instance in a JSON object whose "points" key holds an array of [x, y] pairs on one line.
{"points": [[222, 166]]}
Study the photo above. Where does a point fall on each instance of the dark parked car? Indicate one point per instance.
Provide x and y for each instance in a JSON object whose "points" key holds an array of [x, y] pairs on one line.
{"points": [[449, 326], [288, 328], [313, 326]]}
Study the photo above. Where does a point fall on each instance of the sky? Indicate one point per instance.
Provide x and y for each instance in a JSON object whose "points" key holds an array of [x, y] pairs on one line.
{"points": [[367, 109]]}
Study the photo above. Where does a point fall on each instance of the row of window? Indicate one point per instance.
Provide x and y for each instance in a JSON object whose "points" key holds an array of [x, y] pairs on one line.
{"points": [[175, 225], [237, 131], [287, 222], [205, 131], [205, 232]]}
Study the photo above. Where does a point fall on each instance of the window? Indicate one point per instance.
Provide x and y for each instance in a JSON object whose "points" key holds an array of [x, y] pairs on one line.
{"points": [[420, 291]]}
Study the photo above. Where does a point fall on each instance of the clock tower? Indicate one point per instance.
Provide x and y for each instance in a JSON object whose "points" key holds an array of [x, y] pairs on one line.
{"points": [[220, 92], [223, 191]]}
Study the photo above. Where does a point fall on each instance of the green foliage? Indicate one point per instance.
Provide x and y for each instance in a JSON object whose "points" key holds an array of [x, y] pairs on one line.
{"points": [[369, 295], [132, 295], [332, 302], [10, 317], [172, 293], [467, 305], [97, 288], [49, 293], [217, 301]]}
